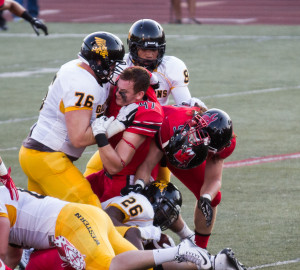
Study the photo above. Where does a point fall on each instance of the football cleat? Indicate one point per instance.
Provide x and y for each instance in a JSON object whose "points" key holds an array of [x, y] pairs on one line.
{"points": [[69, 254], [25, 258], [225, 259], [188, 251]]}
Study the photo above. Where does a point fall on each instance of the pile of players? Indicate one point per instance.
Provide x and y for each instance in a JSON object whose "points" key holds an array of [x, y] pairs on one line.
{"points": [[118, 102]]}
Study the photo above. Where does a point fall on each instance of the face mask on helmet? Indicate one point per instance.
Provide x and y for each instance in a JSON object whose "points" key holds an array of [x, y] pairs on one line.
{"points": [[146, 34], [104, 53], [219, 129], [166, 201], [188, 147]]}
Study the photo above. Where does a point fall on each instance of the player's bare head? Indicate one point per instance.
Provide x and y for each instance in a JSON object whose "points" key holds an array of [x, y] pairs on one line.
{"points": [[139, 76]]}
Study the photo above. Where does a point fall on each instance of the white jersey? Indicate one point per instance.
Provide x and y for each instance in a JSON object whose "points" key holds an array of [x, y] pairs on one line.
{"points": [[173, 79], [136, 207], [32, 218], [73, 88]]}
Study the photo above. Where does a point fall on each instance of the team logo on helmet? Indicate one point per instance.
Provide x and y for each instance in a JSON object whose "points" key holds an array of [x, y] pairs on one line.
{"points": [[210, 118], [184, 157], [100, 47], [161, 186]]}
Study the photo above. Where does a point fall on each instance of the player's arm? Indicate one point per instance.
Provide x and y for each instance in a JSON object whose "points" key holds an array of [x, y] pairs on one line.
{"points": [[213, 176], [4, 229], [79, 129], [18, 10], [114, 160], [153, 157]]}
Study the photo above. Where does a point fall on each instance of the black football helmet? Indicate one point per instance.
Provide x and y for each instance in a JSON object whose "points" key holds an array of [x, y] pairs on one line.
{"points": [[166, 200], [146, 34], [219, 129], [107, 48]]}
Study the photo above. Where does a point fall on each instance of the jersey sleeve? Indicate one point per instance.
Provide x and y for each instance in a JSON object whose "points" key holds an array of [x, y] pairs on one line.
{"points": [[3, 210], [147, 120]]}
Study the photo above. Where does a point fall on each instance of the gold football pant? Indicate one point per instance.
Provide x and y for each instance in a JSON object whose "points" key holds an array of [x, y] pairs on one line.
{"points": [[53, 174], [92, 232]]}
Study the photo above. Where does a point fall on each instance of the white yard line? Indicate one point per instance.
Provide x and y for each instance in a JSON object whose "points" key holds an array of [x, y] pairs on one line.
{"points": [[274, 264]]}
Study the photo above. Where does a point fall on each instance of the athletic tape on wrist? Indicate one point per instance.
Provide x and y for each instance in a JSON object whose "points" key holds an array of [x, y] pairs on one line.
{"points": [[101, 140]]}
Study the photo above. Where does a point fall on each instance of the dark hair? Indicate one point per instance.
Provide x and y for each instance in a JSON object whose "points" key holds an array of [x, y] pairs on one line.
{"points": [[139, 75]]}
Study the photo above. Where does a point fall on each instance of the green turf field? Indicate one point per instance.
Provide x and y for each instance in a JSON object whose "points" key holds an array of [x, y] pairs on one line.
{"points": [[251, 72]]}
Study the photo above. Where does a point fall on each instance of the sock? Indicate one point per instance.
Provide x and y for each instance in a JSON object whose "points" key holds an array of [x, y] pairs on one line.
{"points": [[164, 255], [185, 232], [201, 239]]}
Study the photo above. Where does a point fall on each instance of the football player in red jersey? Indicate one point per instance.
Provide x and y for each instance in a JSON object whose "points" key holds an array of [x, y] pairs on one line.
{"points": [[194, 145], [122, 153]]}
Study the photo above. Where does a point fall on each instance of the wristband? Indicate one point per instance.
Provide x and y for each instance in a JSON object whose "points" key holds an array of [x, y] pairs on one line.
{"points": [[101, 140], [26, 16], [207, 196], [140, 182]]}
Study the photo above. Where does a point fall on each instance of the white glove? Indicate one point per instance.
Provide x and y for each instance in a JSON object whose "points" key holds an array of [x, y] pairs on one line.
{"points": [[2, 265], [101, 124], [123, 119], [150, 232], [197, 102]]}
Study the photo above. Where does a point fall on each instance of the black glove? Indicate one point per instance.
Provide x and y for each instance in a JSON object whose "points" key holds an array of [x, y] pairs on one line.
{"points": [[127, 113], [35, 23], [205, 206], [137, 188]]}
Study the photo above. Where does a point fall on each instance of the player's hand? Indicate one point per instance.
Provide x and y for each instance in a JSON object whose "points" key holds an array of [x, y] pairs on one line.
{"points": [[10, 185], [154, 82], [127, 113], [136, 188], [37, 24], [100, 125], [204, 204], [196, 102], [150, 232]]}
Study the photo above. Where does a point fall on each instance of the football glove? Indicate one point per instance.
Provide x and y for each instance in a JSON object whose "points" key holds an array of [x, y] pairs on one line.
{"points": [[35, 23], [136, 188], [195, 102], [10, 185], [204, 204], [123, 119], [150, 232], [100, 125]]}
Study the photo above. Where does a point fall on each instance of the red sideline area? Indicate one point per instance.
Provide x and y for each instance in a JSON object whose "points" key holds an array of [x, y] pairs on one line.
{"points": [[259, 160], [207, 11]]}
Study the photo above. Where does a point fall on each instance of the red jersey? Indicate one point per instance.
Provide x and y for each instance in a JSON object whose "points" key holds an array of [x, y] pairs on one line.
{"points": [[147, 122], [175, 117], [1, 3]]}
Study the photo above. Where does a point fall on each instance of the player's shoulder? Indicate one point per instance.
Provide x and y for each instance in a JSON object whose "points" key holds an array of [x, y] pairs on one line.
{"points": [[171, 62], [149, 110]]}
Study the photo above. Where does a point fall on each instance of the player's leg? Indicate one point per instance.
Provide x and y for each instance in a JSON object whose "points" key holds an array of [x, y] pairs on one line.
{"points": [[53, 174], [94, 164]]}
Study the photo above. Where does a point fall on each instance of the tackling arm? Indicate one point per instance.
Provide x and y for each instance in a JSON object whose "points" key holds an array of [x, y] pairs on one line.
{"points": [[145, 169], [114, 160]]}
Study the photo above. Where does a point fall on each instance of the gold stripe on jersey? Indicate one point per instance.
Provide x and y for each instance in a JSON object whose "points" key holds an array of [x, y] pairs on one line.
{"points": [[12, 214], [73, 108], [4, 215], [62, 107]]}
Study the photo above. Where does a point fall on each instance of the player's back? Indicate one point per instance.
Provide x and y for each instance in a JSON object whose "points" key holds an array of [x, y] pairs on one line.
{"points": [[32, 217]]}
